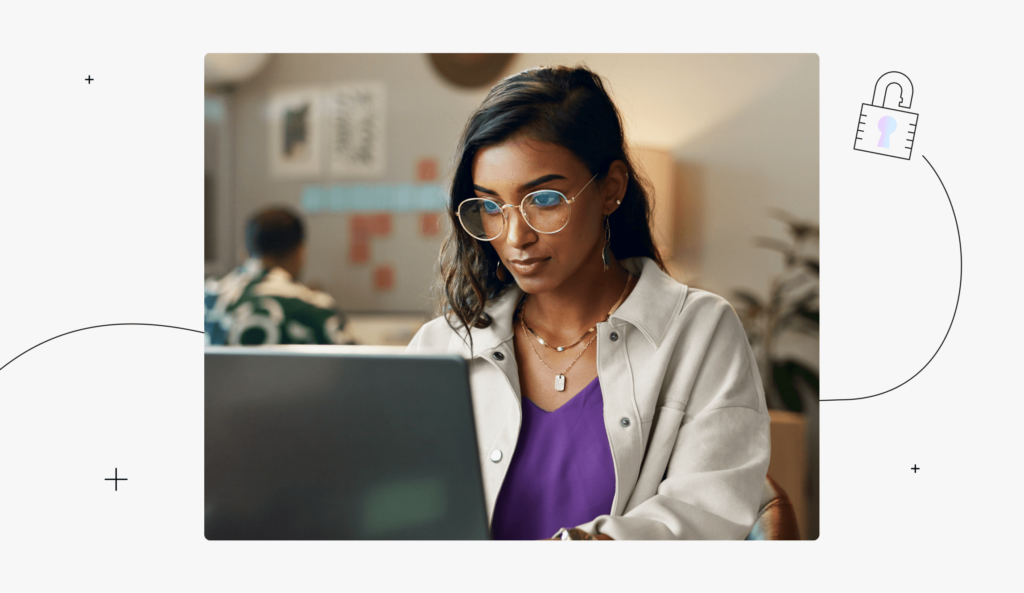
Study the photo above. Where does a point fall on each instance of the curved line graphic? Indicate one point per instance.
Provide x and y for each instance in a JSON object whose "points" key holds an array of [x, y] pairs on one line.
{"points": [[959, 287], [94, 327]]}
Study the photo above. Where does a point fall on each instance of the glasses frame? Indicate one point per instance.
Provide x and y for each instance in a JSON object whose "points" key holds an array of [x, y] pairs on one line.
{"points": [[504, 212]]}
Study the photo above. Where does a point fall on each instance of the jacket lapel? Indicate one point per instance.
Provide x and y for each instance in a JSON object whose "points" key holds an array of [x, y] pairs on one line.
{"points": [[640, 323]]}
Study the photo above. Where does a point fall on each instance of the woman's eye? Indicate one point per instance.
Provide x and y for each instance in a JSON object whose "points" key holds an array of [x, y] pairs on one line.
{"points": [[546, 199], [491, 208]]}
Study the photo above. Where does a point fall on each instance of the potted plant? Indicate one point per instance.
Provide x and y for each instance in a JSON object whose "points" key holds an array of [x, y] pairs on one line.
{"points": [[790, 308]]}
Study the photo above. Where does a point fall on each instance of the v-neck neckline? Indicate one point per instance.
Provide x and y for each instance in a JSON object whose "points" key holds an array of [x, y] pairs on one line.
{"points": [[568, 401]]}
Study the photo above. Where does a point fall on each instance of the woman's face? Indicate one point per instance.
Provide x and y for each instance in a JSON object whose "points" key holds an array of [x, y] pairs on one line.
{"points": [[506, 173]]}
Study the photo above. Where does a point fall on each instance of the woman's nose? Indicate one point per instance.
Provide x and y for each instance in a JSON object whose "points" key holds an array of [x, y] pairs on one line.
{"points": [[519, 233]]}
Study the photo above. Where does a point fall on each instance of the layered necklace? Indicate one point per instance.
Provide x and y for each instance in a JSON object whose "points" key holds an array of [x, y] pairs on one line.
{"points": [[560, 377]]}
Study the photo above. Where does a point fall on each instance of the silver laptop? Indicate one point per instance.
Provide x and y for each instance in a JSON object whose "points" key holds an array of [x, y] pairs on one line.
{"points": [[340, 442]]}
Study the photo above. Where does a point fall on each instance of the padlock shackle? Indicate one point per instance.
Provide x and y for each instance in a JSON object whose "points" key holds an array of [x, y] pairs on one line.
{"points": [[906, 89]]}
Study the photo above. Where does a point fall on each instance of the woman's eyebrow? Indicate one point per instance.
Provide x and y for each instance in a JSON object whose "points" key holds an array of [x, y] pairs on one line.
{"points": [[523, 187]]}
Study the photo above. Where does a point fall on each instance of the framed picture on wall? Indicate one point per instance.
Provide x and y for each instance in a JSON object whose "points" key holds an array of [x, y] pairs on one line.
{"points": [[294, 133], [357, 116]]}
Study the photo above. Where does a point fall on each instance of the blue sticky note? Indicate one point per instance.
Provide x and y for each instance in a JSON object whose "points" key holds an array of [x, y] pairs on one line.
{"points": [[398, 197], [312, 198]]}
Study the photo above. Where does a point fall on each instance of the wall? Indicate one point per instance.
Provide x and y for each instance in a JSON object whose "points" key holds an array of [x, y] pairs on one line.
{"points": [[742, 130], [424, 119]]}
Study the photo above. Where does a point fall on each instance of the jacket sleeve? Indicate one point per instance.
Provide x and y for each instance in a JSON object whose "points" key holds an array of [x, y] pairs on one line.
{"points": [[431, 338], [715, 465], [415, 345]]}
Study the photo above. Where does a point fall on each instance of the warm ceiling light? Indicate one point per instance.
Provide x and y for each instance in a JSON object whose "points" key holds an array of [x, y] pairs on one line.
{"points": [[232, 68]]}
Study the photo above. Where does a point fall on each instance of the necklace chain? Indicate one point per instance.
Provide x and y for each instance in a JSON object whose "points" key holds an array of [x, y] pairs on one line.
{"points": [[546, 364], [560, 377], [559, 348], [529, 329]]}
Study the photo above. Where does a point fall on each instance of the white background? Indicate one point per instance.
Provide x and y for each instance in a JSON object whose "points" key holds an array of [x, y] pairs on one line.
{"points": [[101, 222]]}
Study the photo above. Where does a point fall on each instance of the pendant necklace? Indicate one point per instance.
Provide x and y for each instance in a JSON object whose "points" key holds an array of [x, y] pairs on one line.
{"points": [[560, 377], [585, 334]]}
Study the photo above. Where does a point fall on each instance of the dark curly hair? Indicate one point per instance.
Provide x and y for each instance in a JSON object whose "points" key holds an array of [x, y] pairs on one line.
{"points": [[560, 105], [274, 231]]}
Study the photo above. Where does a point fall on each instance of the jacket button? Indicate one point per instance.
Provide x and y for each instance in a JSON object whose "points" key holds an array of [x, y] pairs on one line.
{"points": [[614, 337], [624, 421], [498, 356], [496, 454]]}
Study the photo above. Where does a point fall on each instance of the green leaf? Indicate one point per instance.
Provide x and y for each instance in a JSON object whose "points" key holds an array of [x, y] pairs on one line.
{"points": [[791, 378], [774, 244], [749, 298]]}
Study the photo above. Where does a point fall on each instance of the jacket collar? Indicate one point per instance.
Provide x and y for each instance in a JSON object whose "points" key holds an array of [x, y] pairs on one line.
{"points": [[501, 310], [655, 300]]}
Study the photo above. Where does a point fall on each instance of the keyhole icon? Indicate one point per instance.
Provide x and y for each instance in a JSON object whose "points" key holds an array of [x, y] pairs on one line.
{"points": [[886, 125]]}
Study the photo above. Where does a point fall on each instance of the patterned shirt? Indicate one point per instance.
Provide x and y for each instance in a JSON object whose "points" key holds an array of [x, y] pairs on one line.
{"points": [[254, 306]]}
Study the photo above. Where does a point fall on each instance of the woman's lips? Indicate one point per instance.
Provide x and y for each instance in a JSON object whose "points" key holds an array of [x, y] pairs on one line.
{"points": [[528, 267]]}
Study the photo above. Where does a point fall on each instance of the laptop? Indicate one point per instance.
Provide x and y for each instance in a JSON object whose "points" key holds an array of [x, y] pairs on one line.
{"points": [[340, 443]]}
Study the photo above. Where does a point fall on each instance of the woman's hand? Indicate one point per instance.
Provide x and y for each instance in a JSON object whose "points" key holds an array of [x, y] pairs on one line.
{"points": [[586, 536]]}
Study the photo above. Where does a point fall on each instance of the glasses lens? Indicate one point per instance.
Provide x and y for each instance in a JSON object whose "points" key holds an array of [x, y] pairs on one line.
{"points": [[482, 219], [547, 211]]}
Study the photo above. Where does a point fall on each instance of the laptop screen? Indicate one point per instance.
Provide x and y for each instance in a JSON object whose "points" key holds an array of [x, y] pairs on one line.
{"points": [[340, 443]]}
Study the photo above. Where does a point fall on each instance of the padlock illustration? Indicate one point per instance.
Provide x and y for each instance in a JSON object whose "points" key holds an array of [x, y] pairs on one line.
{"points": [[882, 130]]}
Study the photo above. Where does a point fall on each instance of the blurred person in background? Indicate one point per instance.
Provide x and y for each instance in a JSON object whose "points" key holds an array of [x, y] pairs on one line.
{"points": [[261, 302], [658, 431]]}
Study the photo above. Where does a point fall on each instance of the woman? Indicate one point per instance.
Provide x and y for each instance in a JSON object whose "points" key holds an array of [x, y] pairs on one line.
{"points": [[611, 402]]}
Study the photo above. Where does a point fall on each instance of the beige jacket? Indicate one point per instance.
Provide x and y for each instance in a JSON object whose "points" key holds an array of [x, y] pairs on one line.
{"points": [[684, 409]]}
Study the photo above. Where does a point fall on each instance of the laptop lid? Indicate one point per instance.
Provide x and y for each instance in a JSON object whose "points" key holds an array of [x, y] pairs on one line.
{"points": [[340, 442]]}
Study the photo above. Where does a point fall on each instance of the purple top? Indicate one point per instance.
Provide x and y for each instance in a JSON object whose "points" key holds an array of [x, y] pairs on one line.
{"points": [[561, 474]]}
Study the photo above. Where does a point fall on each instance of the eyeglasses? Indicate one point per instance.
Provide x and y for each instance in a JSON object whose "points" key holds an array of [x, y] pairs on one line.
{"points": [[546, 211]]}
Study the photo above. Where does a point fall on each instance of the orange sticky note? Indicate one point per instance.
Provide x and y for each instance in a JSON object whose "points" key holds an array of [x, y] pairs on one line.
{"points": [[429, 223], [359, 240], [426, 169], [363, 227], [379, 225], [383, 278]]}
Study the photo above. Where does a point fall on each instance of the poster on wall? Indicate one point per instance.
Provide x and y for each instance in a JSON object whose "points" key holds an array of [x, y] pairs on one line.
{"points": [[356, 128], [293, 123]]}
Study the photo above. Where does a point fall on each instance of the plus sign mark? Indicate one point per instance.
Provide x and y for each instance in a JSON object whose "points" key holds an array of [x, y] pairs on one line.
{"points": [[116, 479]]}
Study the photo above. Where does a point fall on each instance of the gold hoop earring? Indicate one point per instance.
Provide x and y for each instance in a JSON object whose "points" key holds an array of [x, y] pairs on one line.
{"points": [[606, 253]]}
